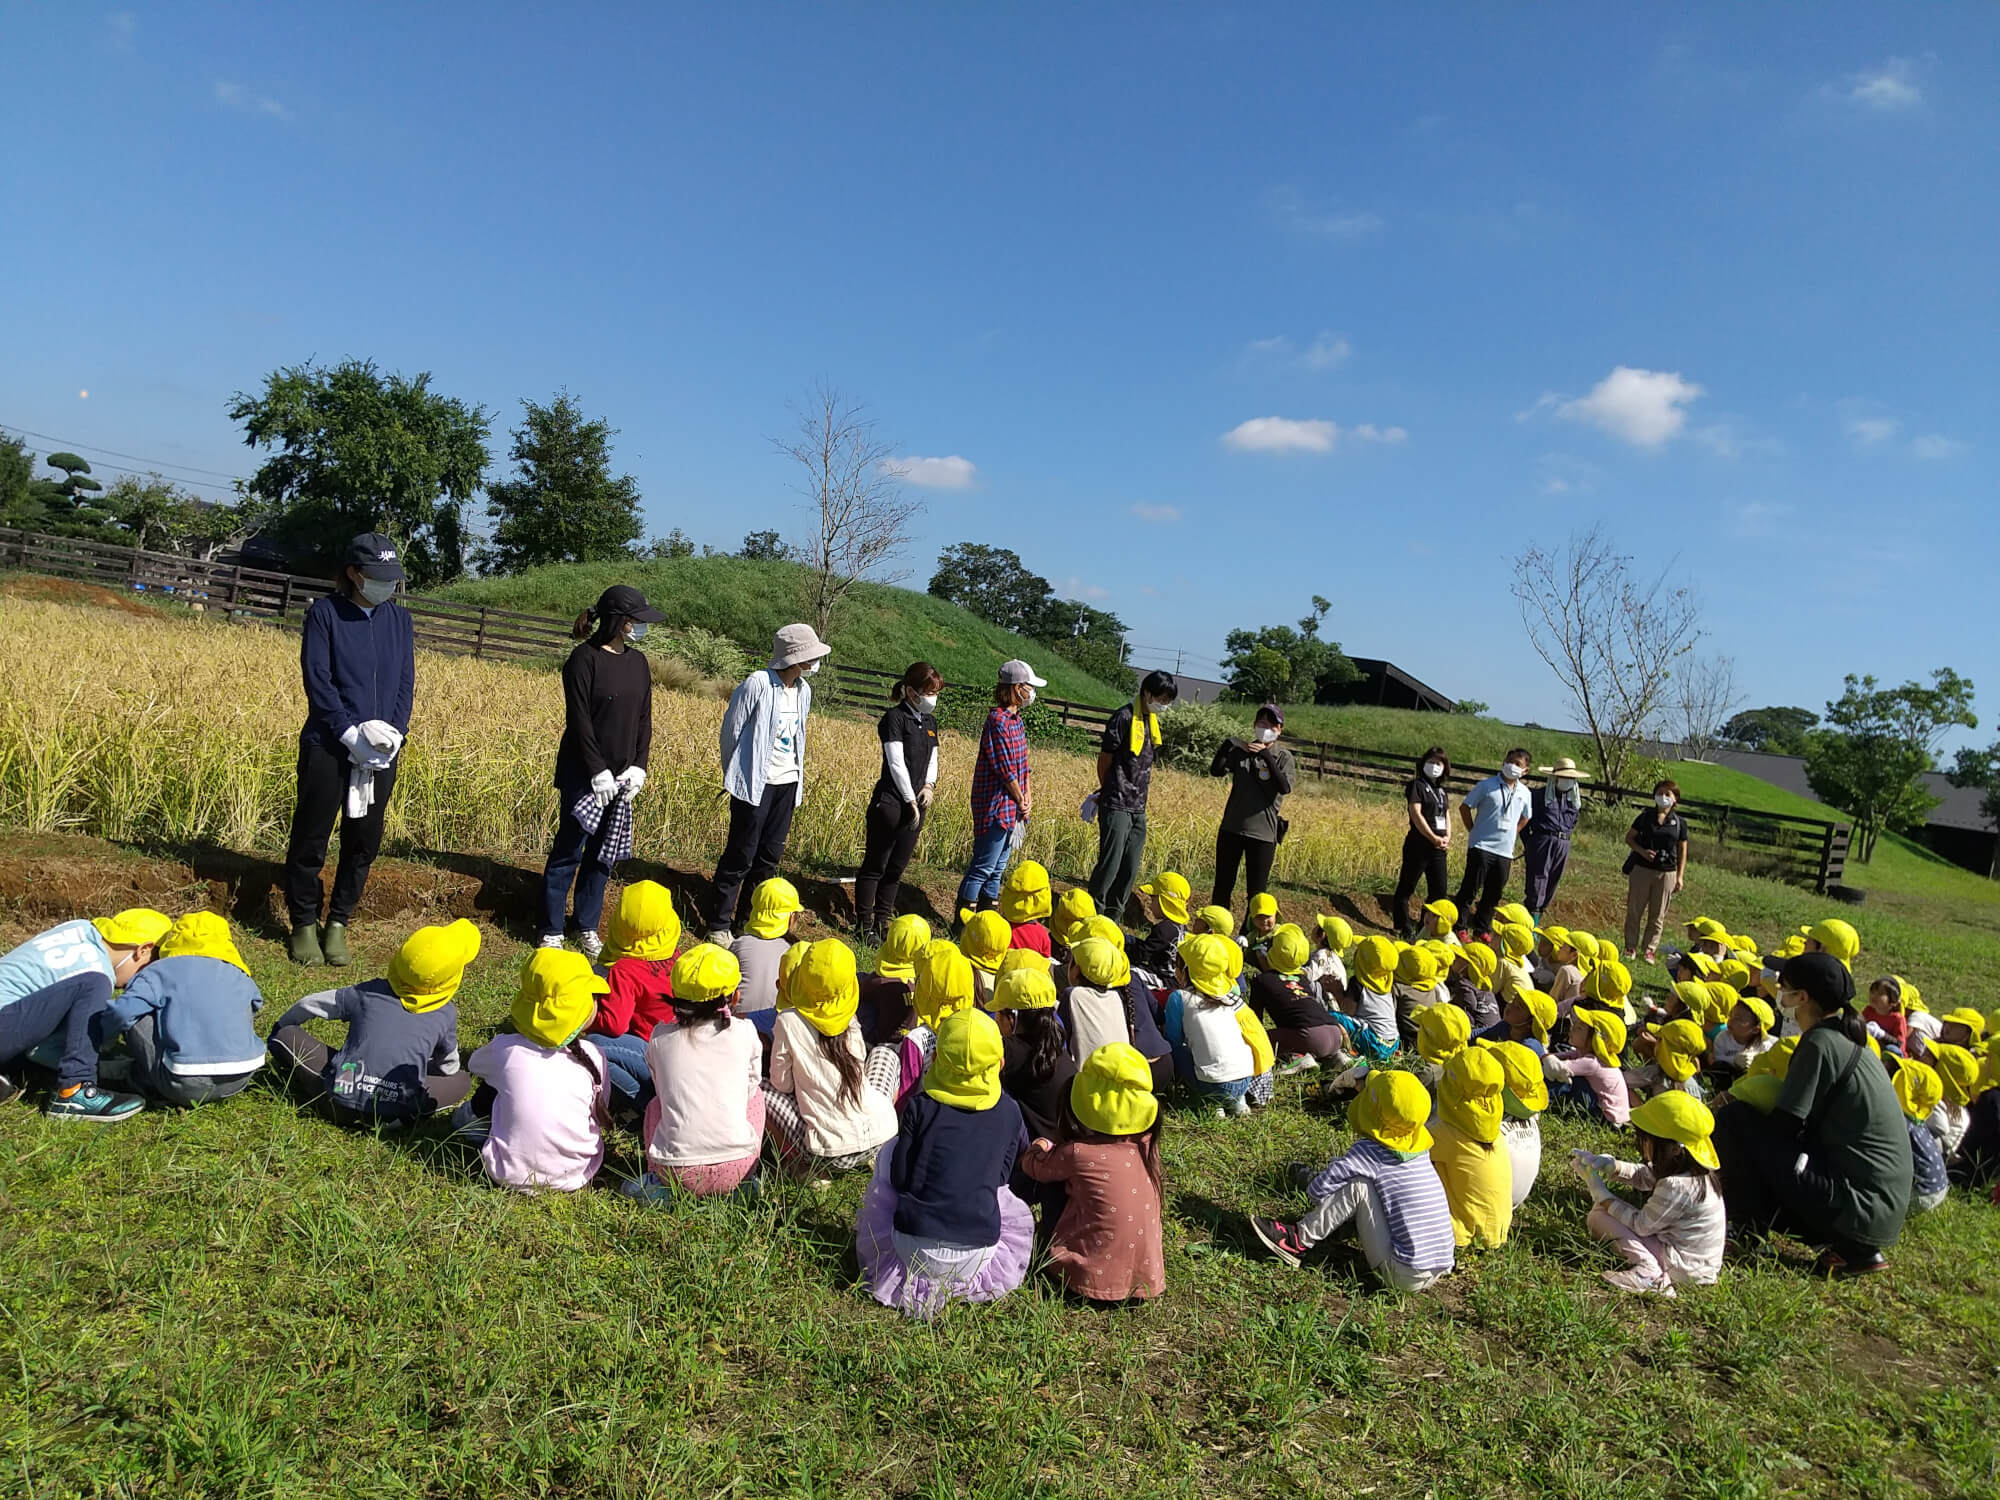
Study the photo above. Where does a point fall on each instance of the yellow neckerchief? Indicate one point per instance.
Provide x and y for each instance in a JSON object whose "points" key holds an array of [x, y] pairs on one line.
{"points": [[1142, 722]]}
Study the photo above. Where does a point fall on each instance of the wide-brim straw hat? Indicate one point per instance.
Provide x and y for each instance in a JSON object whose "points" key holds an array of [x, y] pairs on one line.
{"points": [[1564, 768]]}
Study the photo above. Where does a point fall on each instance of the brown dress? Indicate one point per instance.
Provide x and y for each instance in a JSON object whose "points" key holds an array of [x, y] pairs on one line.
{"points": [[1107, 1242]]}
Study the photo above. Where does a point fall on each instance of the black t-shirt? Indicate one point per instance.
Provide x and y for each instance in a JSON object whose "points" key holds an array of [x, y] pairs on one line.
{"points": [[1663, 839], [917, 733], [607, 713], [1285, 1003], [1130, 776], [1435, 800]]}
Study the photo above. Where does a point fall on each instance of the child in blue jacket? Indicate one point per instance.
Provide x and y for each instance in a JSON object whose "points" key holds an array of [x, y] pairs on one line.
{"points": [[188, 1017]]}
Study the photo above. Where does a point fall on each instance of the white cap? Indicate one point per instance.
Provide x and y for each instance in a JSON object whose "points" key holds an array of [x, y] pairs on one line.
{"points": [[1019, 671]]}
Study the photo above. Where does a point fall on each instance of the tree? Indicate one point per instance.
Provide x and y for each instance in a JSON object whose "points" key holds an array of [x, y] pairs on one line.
{"points": [[354, 451], [854, 495], [1871, 758], [764, 546], [1981, 768], [1473, 707], [672, 547], [1703, 695], [564, 506], [1312, 667], [1611, 638], [995, 585], [18, 505], [1776, 731], [157, 515], [70, 506]]}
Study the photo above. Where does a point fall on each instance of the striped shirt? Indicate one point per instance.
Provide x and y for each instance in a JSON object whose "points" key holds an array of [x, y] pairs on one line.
{"points": [[1927, 1159], [1003, 757], [1412, 1197]]}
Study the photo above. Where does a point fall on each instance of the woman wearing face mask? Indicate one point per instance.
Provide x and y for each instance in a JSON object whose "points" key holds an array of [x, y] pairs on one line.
{"points": [[1654, 870], [607, 735], [1428, 842], [902, 796], [1124, 776], [360, 664], [1262, 775], [1003, 796], [1830, 1162], [1494, 813], [1553, 808]]}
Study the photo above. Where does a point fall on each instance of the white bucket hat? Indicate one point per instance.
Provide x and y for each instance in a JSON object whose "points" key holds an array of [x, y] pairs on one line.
{"points": [[796, 645], [1017, 671]]}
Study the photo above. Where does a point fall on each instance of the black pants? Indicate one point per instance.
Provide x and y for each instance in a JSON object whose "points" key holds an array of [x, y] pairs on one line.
{"points": [[757, 834], [70, 1007], [892, 827], [304, 1064], [1761, 1189], [323, 798], [1255, 855], [1480, 891], [1421, 858]]}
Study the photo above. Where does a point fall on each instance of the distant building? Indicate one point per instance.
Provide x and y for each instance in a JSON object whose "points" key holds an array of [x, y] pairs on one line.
{"points": [[1387, 685], [1199, 689]]}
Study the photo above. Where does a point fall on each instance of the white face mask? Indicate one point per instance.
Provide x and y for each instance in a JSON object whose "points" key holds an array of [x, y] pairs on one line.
{"points": [[1029, 699], [1433, 769], [1265, 736], [1510, 772], [812, 670], [927, 704], [638, 631], [1663, 801], [376, 591]]}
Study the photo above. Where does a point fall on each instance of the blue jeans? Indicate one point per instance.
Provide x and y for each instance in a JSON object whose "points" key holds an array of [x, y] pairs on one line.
{"points": [[1235, 1088], [573, 860], [630, 1078], [66, 1009], [1576, 1097], [989, 862]]}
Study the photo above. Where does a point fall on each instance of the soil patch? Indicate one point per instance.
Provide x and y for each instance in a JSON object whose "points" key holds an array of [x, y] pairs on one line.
{"points": [[68, 591]]}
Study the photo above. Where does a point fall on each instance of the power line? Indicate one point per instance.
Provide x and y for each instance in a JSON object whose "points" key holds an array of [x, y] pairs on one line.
{"points": [[160, 465]]}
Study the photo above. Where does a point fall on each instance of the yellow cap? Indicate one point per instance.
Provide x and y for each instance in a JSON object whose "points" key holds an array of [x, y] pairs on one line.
{"points": [[945, 984], [1791, 947], [1542, 1012], [789, 964], [1513, 912], [905, 939], [1375, 963], [1722, 998], [1607, 1033], [1694, 995], [1678, 1116], [1678, 1047], [1527, 1088], [202, 934], [1703, 966], [1556, 935], [1517, 938], [557, 996], [1213, 963], [1913, 998], [1263, 904], [1216, 919], [1586, 946], [1112, 1092], [1289, 950], [1025, 897], [772, 906], [1919, 1089], [1838, 938], [826, 989], [1025, 989], [1733, 973], [1102, 965], [1442, 1032], [1609, 982], [965, 1069], [1706, 930], [706, 972], [1470, 1095], [1973, 1021], [1481, 962], [1391, 1109], [134, 927], [428, 969], [984, 937], [1338, 934], [1170, 893], [1957, 1068], [1758, 1091], [1759, 1007], [1103, 928], [1775, 1061], [1418, 968], [1074, 909], [645, 925]]}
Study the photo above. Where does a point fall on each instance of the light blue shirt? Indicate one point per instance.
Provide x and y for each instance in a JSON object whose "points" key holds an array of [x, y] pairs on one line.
{"points": [[750, 734], [51, 957], [1498, 809]]}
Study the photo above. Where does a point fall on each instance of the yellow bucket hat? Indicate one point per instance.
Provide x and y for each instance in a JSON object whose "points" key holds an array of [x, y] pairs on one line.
{"points": [[1774, 1061], [1442, 1032], [1482, 963], [1913, 998], [134, 927], [1074, 909], [1973, 1021], [1418, 968], [1957, 1068], [1289, 950], [1704, 967], [984, 938], [1706, 930], [1586, 946], [945, 984], [1216, 919], [1375, 963], [557, 996], [1103, 928], [1694, 995], [1722, 998], [1677, 1116], [772, 906], [1102, 965], [1759, 1007], [1112, 1092], [428, 969], [1517, 938], [1791, 947], [1838, 938], [1391, 1110], [1919, 1089], [645, 926], [965, 1068], [202, 934], [1527, 1089], [1445, 908], [706, 972], [1263, 904], [789, 964], [1607, 1033], [1542, 1012], [1678, 1047], [1556, 935], [905, 939], [1514, 912], [1610, 982], [1170, 893], [1734, 974], [1338, 934], [1025, 989], [1025, 897], [1213, 963], [825, 989], [1471, 1095]]}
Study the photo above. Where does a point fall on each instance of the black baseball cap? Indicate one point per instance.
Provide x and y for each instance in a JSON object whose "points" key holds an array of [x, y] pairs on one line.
{"points": [[623, 599], [375, 556]]}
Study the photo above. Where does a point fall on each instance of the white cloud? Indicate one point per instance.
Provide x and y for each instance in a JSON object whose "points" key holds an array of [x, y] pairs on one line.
{"points": [[1324, 352], [1277, 344], [953, 473], [1281, 435], [1076, 590], [246, 101], [1159, 515], [1867, 425], [1641, 407], [1368, 432], [1887, 89], [1288, 207], [1935, 445]]}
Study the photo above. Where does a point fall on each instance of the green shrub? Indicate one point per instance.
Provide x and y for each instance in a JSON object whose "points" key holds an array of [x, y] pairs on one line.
{"points": [[708, 654], [1190, 734]]}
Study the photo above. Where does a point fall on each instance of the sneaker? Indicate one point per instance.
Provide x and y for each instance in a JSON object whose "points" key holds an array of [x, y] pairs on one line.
{"points": [[1631, 955], [1240, 1105], [9, 1089], [472, 1129], [305, 946], [1832, 1263], [89, 1102], [1305, 1062], [1652, 956], [1281, 1239], [647, 1188], [591, 944], [1300, 1175], [1633, 1280], [722, 937], [333, 943], [550, 940]]}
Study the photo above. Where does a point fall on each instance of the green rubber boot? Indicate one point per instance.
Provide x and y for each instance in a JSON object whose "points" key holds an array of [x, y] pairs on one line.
{"points": [[305, 946], [333, 943]]}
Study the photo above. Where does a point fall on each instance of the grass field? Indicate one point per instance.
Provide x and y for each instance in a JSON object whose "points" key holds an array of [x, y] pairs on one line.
{"points": [[243, 1300]]}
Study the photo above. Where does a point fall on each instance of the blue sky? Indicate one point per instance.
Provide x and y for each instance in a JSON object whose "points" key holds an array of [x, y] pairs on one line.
{"points": [[1215, 310]]}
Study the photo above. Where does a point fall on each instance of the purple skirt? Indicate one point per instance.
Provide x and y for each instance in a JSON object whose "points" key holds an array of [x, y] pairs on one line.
{"points": [[921, 1292]]}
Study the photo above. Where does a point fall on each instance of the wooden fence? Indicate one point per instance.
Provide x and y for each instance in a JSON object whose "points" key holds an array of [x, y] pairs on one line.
{"points": [[1804, 851]]}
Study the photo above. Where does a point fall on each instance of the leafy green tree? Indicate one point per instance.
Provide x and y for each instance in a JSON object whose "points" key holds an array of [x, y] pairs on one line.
{"points": [[994, 584], [672, 547], [354, 450], [1870, 759], [764, 546], [157, 515], [18, 505], [1470, 706], [71, 505], [564, 506], [1776, 731], [1312, 667]]}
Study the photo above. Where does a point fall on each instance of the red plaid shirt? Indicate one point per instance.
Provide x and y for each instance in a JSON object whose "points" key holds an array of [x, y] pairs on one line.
{"points": [[1003, 757]]}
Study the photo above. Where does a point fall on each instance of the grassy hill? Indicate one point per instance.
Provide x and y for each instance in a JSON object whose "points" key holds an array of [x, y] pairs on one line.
{"points": [[878, 626]]}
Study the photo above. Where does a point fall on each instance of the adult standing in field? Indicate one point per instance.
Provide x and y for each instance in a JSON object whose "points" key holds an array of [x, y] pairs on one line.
{"points": [[1124, 777], [358, 656], [1003, 793], [1830, 1161], [1253, 826], [1427, 844], [1553, 809], [1654, 870], [764, 772], [601, 762], [902, 798], [1494, 812]]}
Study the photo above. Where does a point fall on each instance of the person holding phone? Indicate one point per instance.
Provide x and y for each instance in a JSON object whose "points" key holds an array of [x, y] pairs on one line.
{"points": [[1262, 774], [1427, 844], [1654, 871]]}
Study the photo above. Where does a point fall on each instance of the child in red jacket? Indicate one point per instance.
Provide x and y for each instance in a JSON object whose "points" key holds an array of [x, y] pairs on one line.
{"points": [[640, 967]]}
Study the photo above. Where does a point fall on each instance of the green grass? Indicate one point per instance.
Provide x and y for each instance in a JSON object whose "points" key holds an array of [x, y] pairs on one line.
{"points": [[878, 626]]}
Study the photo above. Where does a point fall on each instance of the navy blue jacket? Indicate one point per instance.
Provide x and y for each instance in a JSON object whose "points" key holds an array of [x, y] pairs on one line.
{"points": [[949, 1165], [358, 665]]}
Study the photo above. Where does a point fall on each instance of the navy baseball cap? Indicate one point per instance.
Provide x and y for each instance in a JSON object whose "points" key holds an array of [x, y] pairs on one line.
{"points": [[375, 556], [623, 599]]}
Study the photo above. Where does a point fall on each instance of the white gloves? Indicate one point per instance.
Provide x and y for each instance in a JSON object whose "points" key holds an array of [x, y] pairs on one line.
{"points": [[632, 780], [1591, 1168], [604, 786]]}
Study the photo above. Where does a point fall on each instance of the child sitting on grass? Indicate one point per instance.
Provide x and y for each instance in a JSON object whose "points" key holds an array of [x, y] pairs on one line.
{"points": [[1511, 973], [550, 1095], [1526, 1096], [1073, 912], [1025, 900], [1035, 1067], [1164, 899], [946, 984], [705, 1126], [1958, 1073], [1300, 1028], [938, 1222], [1676, 1237], [775, 909], [188, 1018], [55, 987], [638, 956], [1476, 1169], [1884, 1013], [1105, 1002], [1384, 1184], [827, 1108], [1527, 1017], [1212, 1050], [1586, 1075], [1469, 983], [885, 994], [399, 1061], [985, 939], [1419, 985], [1260, 921], [1107, 1242], [1217, 920], [1744, 1038], [1370, 1021], [1565, 974], [1677, 1049], [1326, 970], [1441, 921], [1442, 1033], [1919, 1090]]}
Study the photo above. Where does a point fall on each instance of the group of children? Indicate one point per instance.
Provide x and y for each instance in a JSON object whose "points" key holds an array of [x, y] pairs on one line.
{"points": [[1003, 1086]]}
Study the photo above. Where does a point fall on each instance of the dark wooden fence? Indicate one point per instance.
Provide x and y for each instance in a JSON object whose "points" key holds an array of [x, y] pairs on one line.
{"points": [[1804, 851]]}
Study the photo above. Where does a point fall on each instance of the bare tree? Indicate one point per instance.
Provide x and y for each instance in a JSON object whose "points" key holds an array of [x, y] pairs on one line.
{"points": [[854, 493], [1610, 638], [1704, 696]]}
